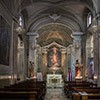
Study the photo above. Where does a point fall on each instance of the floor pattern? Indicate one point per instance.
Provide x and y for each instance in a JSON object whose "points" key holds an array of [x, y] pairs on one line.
{"points": [[55, 94]]}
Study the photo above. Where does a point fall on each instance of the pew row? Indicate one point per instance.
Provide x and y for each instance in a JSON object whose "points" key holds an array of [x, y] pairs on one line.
{"points": [[17, 95], [69, 86], [28, 89], [85, 96]]}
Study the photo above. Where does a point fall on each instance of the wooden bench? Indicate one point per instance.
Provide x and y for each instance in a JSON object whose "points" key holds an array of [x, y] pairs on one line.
{"points": [[87, 89], [17, 95], [25, 88], [86, 96], [70, 85]]}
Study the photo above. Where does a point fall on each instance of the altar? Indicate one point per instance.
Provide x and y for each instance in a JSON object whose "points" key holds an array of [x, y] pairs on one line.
{"points": [[54, 80]]}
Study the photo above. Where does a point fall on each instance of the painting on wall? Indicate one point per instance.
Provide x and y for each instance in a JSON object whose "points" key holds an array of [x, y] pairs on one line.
{"points": [[54, 57], [5, 36]]}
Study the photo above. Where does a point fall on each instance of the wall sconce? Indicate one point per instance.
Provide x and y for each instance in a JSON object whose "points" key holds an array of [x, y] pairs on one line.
{"points": [[20, 30]]}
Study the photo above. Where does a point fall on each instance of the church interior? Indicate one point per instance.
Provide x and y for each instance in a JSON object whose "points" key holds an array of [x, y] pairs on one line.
{"points": [[49, 50]]}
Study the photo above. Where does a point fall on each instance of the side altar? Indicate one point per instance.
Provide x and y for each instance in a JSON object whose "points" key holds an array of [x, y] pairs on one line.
{"points": [[54, 80]]}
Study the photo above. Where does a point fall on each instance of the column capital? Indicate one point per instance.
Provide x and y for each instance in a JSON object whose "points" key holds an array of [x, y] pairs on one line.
{"points": [[77, 33], [34, 33]]}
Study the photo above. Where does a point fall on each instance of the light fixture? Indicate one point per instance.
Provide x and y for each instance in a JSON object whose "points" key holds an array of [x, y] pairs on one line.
{"points": [[20, 28]]}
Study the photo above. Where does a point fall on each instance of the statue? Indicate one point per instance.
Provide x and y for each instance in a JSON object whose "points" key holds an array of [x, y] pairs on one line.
{"points": [[31, 69], [69, 75], [91, 70], [39, 76], [77, 69]]}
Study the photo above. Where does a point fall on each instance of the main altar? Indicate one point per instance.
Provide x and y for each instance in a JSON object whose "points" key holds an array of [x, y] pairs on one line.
{"points": [[54, 80]]}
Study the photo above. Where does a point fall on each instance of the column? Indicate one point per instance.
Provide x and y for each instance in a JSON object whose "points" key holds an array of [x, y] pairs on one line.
{"points": [[63, 61], [11, 53], [99, 60], [77, 45], [83, 56], [25, 40], [79, 50], [39, 68], [97, 55], [33, 49], [44, 62]]}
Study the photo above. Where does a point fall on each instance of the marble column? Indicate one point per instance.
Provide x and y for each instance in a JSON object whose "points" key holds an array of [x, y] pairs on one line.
{"points": [[80, 52], [44, 62], [39, 58], [97, 55], [98, 60], [72, 62], [20, 65], [11, 53], [83, 56], [77, 45], [25, 55], [63, 61], [33, 49]]}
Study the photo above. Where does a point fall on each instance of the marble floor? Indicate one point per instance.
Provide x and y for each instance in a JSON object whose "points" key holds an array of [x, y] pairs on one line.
{"points": [[55, 94]]}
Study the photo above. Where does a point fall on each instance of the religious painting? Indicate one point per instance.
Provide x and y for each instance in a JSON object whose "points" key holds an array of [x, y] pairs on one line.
{"points": [[54, 57], [5, 34]]}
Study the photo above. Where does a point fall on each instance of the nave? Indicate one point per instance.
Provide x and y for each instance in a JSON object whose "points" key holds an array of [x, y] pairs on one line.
{"points": [[55, 42]]}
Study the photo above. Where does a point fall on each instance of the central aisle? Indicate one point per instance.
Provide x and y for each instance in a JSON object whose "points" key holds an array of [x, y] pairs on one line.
{"points": [[55, 94]]}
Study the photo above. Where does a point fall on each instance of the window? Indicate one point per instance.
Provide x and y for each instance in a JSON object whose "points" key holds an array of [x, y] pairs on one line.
{"points": [[89, 19], [21, 22]]}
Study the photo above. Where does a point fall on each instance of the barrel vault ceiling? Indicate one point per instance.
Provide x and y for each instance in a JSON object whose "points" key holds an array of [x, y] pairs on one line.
{"points": [[53, 20]]}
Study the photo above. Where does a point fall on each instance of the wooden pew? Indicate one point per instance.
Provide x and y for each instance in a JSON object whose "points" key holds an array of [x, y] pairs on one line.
{"points": [[86, 93], [68, 86], [39, 88], [17, 95], [87, 89], [86, 96]]}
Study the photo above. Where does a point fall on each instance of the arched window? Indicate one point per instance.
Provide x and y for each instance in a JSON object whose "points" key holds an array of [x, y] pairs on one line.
{"points": [[21, 21], [89, 19]]}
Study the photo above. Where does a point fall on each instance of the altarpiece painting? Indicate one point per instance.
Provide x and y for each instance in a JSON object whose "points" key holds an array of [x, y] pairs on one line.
{"points": [[54, 57]]}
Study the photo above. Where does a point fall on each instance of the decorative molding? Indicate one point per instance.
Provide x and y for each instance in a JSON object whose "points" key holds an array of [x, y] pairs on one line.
{"points": [[54, 17]]}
